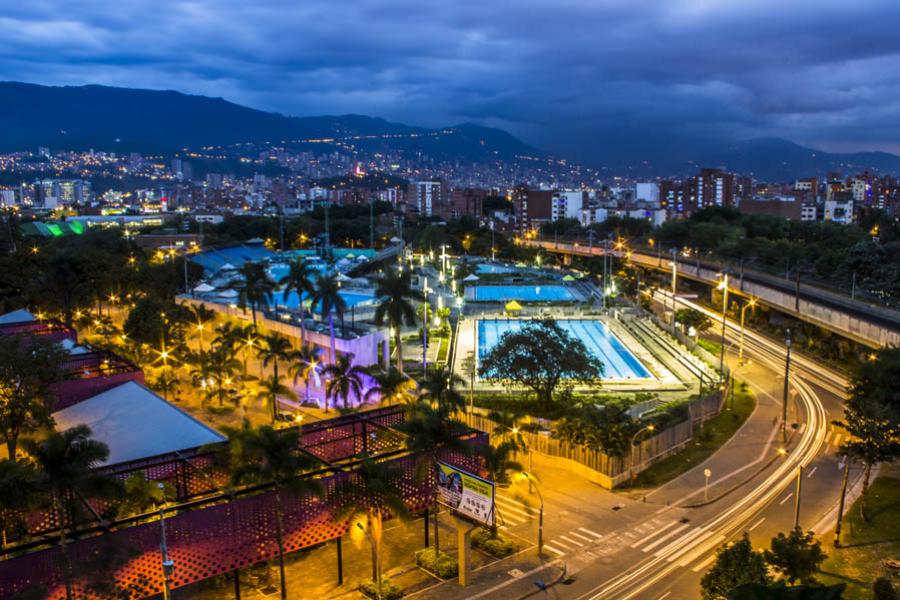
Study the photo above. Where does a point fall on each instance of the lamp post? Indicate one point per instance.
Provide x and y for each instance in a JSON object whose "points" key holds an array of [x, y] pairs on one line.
{"points": [[168, 565], [425, 327], [674, 285], [784, 398], [751, 302], [797, 500], [706, 474], [724, 287], [650, 427], [531, 480]]}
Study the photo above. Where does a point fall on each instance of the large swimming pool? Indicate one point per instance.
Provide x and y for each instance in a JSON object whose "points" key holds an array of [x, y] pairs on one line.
{"points": [[523, 293], [618, 361]]}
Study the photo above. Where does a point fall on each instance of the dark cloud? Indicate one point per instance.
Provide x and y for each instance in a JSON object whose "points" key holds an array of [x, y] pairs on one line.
{"points": [[573, 76]]}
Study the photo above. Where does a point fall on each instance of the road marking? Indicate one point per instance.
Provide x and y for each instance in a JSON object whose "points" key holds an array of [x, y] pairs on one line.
{"points": [[510, 520], [559, 543], [513, 507], [554, 550], [666, 595], [589, 532], [582, 537], [679, 543], [837, 439], [828, 437], [812, 471], [655, 533], [786, 498], [705, 564], [571, 541], [688, 558], [671, 534], [757, 524]]}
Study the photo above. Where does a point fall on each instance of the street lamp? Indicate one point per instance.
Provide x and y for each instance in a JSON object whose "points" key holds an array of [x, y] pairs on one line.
{"points": [[674, 285], [723, 285], [749, 303], [168, 565], [650, 427], [784, 399], [532, 480]]}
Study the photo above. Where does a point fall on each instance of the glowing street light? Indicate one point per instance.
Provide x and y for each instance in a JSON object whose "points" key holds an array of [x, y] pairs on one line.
{"points": [[748, 304]]}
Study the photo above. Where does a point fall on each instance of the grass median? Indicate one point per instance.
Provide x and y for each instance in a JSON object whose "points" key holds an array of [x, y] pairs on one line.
{"points": [[705, 442], [865, 545]]}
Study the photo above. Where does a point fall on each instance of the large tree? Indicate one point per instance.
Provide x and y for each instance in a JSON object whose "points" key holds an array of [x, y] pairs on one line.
{"points": [[28, 369], [796, 556], [397, 300], [299, 280], [255, 287], [736, 564], [390, 386], [330, 301], [608, 427], [540, 356], [344, 379]]}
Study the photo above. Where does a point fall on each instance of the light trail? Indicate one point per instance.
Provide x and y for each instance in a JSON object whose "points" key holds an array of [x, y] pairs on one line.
{"points": [[737, 517]]}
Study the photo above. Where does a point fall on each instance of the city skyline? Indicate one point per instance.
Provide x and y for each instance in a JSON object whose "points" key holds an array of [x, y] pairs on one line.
{"points": [[579, 80]]}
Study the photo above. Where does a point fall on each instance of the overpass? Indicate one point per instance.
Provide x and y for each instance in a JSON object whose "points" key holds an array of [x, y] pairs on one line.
{"points": [[868, 324]]}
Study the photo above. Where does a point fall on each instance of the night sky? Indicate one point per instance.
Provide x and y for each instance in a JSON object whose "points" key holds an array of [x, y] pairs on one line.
{"points": [[564, 75]]}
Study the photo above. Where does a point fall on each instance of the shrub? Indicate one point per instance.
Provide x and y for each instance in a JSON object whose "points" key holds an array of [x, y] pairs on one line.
{"points": [[883, 590], [389, 591], [443, 565], [499, 547]]}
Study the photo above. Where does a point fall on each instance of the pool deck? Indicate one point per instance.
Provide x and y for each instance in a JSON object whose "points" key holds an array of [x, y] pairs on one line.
{"points": [[665, 380]]}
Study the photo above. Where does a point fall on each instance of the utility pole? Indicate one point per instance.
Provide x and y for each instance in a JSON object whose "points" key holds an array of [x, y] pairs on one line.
{"points": [[674, 285], [784, 400], [797, 502], [840, 515], [724, 313]]}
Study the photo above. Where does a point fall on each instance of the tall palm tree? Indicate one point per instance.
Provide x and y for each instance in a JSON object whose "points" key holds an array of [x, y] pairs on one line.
{"points": [[430, 428], [65, 463], [507, 428], [17, 495], [397, 303], [372, 491], [390, 386], [299, 279], [264, 455], [239, 338], [329, 300], [222, 367], [255, 287], [344, 378], [440, 385], [199, 317], [166, 382], [499, 462], [304, 363], [270, 388], [274, 347]]}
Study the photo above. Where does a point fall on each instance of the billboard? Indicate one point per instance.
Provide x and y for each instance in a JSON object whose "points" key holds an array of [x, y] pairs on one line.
{"points": [[467, 494]]}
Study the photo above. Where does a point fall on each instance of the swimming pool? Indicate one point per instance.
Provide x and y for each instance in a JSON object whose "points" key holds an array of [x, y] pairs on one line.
{"points": [[618, 361], [523, 293], [352, 299], [492, 269]]}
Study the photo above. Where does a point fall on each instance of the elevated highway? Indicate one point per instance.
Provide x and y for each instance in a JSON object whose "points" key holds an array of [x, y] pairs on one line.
{"points": [[868, 324]]}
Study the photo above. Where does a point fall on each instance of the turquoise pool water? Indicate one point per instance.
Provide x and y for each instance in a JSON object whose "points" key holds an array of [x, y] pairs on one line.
{"points": [[523, 293], [492, 269], [618, 361], [351, 298]]}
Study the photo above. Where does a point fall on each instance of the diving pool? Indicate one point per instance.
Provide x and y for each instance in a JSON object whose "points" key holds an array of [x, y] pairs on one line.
{"points": [[618, 361], [523, 293]]}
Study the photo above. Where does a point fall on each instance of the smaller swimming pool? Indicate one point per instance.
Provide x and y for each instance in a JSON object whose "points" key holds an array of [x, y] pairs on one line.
{"points": [[492, 269], [351, 298], [523, 293]]}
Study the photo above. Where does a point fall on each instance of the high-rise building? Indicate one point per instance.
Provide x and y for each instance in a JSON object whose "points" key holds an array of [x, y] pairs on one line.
{"points": [[468, 202], [532, 207], [567, 204], [648, 192], [427, 198]]}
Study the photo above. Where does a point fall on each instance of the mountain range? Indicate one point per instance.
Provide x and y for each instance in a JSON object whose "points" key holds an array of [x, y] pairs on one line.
{"points": [[124, 119]]}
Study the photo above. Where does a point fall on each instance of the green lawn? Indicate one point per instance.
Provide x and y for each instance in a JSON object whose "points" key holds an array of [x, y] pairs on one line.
{"points": [[865, 545], [706, 441], [714, 348]]}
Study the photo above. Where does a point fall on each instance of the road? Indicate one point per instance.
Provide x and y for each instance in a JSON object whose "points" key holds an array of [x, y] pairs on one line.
{"points": [[660, 545]]}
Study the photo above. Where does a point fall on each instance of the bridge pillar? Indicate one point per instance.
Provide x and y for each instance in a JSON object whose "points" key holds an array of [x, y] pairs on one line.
{"points": [[567, 259]]}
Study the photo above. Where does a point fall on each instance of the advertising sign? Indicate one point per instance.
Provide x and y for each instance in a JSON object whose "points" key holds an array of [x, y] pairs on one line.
{"points": [[467, 494]]}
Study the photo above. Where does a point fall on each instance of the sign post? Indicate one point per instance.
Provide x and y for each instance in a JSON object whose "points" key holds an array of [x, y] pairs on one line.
{"points": [[471, 499]]}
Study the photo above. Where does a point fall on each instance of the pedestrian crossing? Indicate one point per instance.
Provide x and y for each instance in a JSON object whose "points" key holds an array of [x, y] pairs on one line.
{"points": [[837, 436]]}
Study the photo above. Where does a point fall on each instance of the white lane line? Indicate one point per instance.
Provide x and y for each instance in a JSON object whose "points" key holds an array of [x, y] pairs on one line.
{"points": [[589, 532], [706, 563], [661, 540], [554, 550], [559, 543], [757, 524], [510, 520], [689, 557], [582, 537], [664, 596], [654, 534], [786, 498], [812, 471], [571, 541]]}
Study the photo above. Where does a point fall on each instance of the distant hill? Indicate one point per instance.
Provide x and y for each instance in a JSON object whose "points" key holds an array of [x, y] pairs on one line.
{"points": [[123, 119]]}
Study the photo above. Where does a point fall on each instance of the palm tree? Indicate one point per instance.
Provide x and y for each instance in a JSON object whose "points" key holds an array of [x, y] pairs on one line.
{"points": [[141, 495], [238, 338], [440, 385], [222, 367], [264, 455], [390, 386], [303, 365], [396, 302], [269, 390], [507, 428], [65, 463], [274, 347], [430, 428], [330, 301], [255, 287], [17, 494], [198, 316], [166, 382], [373, 490], [299, 279], [344, 378], [499, 463], [64, 284]]}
